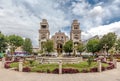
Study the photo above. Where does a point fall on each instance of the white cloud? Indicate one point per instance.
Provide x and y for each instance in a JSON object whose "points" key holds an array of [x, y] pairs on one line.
{"points": [[101, 30], [80, 8], [23, 17], [96, 11]]}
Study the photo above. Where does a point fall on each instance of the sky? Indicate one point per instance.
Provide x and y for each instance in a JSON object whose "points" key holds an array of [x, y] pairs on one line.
{"points": [[23, 17]]}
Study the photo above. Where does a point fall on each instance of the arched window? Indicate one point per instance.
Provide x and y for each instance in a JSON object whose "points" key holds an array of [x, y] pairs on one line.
{"points": [[76, 37], [43, 26], [43, 36], [76, 26]]}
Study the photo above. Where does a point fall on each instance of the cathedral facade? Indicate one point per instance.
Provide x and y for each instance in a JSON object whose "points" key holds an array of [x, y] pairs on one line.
{"points": [[59, 38]]}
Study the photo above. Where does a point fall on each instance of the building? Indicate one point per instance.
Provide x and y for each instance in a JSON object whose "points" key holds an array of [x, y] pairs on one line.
{"points": [[75, 33], [59, 38], [94, 37], [43, 33]]}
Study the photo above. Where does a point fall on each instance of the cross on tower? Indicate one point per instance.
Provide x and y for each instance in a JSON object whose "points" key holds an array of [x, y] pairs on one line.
{"points": [[105, 46]]}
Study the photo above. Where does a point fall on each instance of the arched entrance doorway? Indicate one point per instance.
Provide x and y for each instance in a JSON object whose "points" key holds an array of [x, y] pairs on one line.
{"points": [[59, 48]]}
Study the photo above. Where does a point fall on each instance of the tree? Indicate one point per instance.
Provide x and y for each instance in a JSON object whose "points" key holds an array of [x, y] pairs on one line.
{"points": [[48, 46], [15, 41], [68, 47], [108, 39], [112, 51], [27, 46], [93, 46], [80, 48], [118, 45], [3, 42]]}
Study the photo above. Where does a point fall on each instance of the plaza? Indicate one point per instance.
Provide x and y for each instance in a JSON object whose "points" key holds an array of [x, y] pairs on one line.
{"points": [[11, 75], [59, 40]]}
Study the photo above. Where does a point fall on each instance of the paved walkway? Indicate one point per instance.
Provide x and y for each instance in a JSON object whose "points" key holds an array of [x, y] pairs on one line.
{"points": [[10, 75]]}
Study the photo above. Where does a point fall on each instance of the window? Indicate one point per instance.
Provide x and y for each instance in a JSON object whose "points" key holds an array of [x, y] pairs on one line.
{"points": [[76, 26], [57, 37], [43, 26], [43, 36], [62, 38], [76, 37]]}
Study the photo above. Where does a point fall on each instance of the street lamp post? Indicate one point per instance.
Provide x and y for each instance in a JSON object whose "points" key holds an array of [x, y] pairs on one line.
{"points": [[105, 47]]}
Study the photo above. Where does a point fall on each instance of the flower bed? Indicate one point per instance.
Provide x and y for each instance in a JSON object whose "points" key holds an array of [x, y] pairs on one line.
{"points": [[26, 69], [7, 65], [66, 70], [53, 68]]}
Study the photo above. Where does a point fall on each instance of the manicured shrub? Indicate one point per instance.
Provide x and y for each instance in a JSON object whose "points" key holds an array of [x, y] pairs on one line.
{"points": [[94, 69], [14, 65], [26, 69], [48, 71], [118, 60], [110, 66], [7, 65], [85, 71], [16, 60], [90, 60], [69, 70], [66, 70], [110, 63], [40, 71], [56, 71], [103, 68]]}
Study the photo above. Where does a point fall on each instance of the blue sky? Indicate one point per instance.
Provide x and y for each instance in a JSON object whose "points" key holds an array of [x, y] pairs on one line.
{"points": [[23, 17]]}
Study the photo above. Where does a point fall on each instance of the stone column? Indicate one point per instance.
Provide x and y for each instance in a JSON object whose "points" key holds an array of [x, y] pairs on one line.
{"points": [[115, 63], [3, 62], [60, 67], [13, 58], [99, 66], [105, 60], [81, 58], [20, 65]]}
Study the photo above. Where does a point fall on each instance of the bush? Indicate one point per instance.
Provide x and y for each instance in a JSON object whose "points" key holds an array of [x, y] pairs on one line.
{"points": [[103, 68], [16, 60], [26, 69], [66, 70], [56, 71], [14, 65], [70, 70], [118, 60], [85, 71], [90, 60], [7, 65], [110, 66], [94, 69]]}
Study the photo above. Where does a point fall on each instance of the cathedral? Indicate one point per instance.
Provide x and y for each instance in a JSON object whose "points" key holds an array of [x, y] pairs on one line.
{"points": [[59, 38]]}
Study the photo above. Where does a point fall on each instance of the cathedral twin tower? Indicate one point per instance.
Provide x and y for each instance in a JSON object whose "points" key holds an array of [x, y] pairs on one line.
{"points": [[59, 38]]}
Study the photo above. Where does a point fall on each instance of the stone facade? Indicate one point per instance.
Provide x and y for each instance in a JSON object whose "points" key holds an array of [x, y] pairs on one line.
{"points": [[43, 33], [59, 38], [75, 34]]}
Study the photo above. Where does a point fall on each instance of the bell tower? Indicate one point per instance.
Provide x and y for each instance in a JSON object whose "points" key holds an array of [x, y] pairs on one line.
{"points": [[75, 33], [43, 33]]}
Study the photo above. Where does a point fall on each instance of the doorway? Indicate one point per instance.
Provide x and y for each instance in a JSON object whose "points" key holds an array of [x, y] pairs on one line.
{"points": [[59, 48]]}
